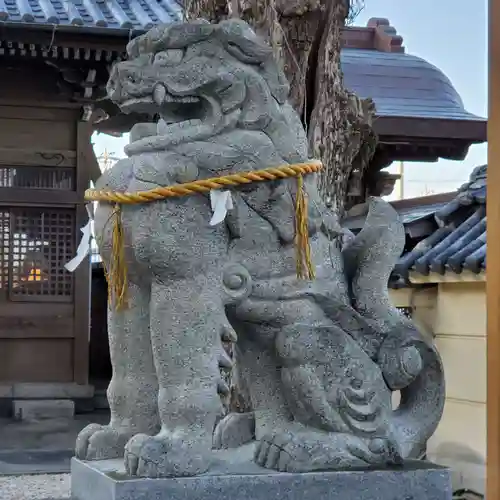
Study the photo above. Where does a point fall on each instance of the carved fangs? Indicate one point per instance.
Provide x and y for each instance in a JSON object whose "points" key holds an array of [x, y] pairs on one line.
{"points": [[159, 94], [225, 361], [222, 387]]}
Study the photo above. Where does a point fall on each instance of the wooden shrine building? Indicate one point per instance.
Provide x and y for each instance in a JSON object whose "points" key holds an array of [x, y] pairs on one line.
{"points": [[419, 115], [55, 57]]}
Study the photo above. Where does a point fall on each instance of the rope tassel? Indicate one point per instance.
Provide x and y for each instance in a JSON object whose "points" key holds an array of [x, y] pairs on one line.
{"points": [[117, 274], [305, 269]]}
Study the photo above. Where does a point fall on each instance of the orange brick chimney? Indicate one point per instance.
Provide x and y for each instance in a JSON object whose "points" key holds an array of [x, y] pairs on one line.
{"points": [[386, 38], [377, 35]]}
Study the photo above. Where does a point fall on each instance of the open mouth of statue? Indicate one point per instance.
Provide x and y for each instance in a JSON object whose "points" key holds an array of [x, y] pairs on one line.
{"points": [[185, 115]]}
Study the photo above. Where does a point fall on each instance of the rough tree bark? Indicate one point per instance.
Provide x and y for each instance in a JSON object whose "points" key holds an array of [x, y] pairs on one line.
{"points": [[306, 38]]}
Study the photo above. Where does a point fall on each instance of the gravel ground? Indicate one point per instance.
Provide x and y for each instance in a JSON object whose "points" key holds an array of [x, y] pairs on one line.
{"points": [[35, 487]]}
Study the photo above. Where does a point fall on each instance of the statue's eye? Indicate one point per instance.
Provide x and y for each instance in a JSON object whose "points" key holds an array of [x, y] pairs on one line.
{"points": [[172, 56], [131, 79], [235, 49]]}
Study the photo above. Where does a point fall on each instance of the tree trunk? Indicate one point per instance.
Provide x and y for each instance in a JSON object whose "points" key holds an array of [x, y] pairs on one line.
{"points": [[306, 39]]}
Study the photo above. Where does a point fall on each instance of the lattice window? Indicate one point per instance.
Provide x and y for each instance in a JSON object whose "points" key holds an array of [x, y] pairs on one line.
{"points": [[4, 250], [41, 242], [38, 178]]}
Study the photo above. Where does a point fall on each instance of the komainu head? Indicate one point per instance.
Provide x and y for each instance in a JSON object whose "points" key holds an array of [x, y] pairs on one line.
{"points": [[203, 79]]}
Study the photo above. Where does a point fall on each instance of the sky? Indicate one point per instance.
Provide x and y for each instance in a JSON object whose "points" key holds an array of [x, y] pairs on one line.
{"points": [[451, 35]]}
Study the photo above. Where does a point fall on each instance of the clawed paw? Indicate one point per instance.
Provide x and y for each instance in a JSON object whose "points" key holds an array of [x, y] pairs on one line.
{"points": [[100, 442], [285, 452], [164, 456], [235, 429]]}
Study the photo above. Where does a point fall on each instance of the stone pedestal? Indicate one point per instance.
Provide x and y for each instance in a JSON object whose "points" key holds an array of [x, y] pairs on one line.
{"points": [[235, 476]]}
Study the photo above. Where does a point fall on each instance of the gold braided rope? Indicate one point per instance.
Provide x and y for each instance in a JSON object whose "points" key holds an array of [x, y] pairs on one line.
{"points": [[117, 274]]}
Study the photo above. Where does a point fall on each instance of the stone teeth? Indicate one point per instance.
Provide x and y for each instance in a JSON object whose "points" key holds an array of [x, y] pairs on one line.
{"points": [[186, 124], [224, 360], [159, 95], [228, 334], [189, 99], [185, 99], [222, 387]]}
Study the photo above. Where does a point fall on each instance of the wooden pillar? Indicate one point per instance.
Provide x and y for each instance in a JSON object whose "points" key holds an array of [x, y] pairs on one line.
{"points": [[493, 265], [82, 273]]}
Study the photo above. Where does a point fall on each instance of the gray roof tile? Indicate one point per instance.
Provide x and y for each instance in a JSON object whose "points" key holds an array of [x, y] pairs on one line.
{"points": [[112, 14], [402, 85]]}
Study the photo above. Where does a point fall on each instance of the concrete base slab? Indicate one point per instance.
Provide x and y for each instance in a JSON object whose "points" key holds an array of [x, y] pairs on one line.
{"points": [[39, 409], [236, 476]]}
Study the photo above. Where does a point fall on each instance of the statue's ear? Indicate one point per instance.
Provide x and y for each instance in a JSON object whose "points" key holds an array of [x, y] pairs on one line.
{"points": [[241, 42], [143, 43]]}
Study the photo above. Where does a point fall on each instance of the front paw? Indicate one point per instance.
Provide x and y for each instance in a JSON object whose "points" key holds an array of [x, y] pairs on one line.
{"points": [[164, 456], [234, 430], [100, 442]]}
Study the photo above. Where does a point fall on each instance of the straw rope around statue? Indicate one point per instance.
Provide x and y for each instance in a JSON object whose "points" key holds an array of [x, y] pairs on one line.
{"points": [[117, 272]]}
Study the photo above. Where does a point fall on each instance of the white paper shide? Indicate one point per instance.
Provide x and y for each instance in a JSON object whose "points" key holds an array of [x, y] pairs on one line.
{"points": [[84, 247], [221, 202]]}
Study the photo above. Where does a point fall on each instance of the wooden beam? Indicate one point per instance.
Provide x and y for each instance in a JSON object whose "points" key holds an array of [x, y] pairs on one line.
{"points": [[493, 282], [10, 157], [16, 197], [412, 127], [68, 36]]}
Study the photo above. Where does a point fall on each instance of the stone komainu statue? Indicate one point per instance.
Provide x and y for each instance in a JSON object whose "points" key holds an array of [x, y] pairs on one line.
{"points": [[320, 358]]}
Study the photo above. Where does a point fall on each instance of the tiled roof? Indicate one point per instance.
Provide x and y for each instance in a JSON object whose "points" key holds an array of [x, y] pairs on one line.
{"points": [[458, 242], [114, 15], [402, 85]]}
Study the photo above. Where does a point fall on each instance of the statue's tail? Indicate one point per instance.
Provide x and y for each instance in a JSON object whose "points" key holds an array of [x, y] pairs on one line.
{"points": [[422, 400], [369, 259], [408, 362]]}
